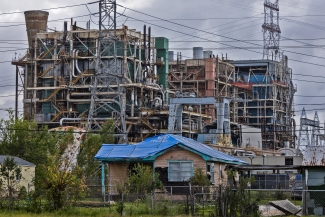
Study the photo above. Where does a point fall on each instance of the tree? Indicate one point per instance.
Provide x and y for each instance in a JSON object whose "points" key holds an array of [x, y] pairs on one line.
{"points": [[25, 139], [199, 178], [91, 146], [56, 175], [63, 183], [142, 180], [10, 172]]}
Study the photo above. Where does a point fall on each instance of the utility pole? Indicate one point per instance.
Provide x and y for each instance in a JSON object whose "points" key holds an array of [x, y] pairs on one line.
{"points": [[108, 76]]}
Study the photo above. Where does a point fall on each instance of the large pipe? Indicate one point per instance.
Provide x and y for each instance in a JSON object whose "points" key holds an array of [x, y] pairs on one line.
{"points": [[89, 93], [145, 49], [149, 42], [79, 119], [76, 55], [132, 103], [65, 26], [72, 56], [161, 90], [88, 100]]}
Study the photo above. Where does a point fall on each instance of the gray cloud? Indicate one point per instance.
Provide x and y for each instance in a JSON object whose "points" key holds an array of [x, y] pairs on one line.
{"points": [[244, 28]]}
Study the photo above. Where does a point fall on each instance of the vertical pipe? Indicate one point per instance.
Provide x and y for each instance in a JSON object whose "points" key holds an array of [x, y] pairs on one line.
{"points": [[25, 82], [16, 101], [103, 181], [144, 46], [149, 42], [132, 103], [35, 79]]}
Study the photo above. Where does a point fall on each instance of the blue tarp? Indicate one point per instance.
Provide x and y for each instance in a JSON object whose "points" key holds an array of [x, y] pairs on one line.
{"points": [[154, 145]]}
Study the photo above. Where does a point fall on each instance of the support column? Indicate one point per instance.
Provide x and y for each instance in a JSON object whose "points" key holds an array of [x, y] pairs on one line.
{"points": [[103, 180]]}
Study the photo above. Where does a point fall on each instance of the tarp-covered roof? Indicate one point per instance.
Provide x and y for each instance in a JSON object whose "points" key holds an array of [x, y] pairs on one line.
{"points": [[153, 146]]}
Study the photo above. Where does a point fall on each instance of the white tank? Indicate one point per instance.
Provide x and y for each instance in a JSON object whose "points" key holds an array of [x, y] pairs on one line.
{"points": [[197, 52], [170, 55], [207, 54]]}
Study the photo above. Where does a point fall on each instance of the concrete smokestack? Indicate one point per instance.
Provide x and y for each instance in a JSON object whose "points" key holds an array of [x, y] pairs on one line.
{"points": [[36, 21]]}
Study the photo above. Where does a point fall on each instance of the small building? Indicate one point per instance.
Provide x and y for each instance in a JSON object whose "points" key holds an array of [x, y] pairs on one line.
{"points": [[174, 157], [313, 180], [27, 172]]}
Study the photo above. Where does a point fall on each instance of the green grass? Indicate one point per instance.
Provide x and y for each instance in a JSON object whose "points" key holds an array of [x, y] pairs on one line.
{"points": [[93, 212], [140, 209]]}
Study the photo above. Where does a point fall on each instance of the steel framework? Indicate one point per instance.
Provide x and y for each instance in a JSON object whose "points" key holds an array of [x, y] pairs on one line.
{"points": [[107, 77], [315, 140], [303, 139], [271, 31]]}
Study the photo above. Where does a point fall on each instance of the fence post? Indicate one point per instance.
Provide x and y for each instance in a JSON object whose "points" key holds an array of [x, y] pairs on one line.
{"points": [[151, 200], [194, 205], [109, 197]]}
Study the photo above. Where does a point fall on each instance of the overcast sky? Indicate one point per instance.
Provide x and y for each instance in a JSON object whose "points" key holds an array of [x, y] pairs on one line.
{"points": [[218, 21]]}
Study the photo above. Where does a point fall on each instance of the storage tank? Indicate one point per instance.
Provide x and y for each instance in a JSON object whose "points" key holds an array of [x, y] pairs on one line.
{"points": [[207, 54], [36, 21], [197, 52], [170, 55]]}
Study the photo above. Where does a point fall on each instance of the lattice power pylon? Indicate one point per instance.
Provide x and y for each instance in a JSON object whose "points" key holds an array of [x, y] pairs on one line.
{"points": [[315, 135], [107, 96], [271, 31], [303, 139]]}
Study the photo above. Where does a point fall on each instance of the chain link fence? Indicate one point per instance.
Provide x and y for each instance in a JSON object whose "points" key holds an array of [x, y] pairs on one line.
{"points": [[203, 200]]}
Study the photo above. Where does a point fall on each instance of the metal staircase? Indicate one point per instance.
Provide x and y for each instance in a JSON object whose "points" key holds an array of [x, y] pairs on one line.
{"points": [[144, 121], [53, 94], [47, 52], [50, 68]]}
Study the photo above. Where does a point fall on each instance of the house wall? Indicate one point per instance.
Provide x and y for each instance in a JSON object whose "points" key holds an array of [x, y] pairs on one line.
{"points": [[117, 173], [27, 175], [198, 162]]}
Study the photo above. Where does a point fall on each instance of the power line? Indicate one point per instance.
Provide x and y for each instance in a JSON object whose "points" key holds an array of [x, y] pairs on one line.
{"points": [[211, 34], [61, 19], [261, 40], [256, 47], [48, 9]]}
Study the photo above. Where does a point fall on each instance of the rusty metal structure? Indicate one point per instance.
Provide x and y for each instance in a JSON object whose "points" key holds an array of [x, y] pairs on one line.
{"points": [[82, 77], [71, 79], [261, 92]]}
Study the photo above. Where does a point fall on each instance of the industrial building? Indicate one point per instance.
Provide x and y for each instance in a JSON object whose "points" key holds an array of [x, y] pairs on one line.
{"points": [[205, 98], [261, 92], [59, 68]]}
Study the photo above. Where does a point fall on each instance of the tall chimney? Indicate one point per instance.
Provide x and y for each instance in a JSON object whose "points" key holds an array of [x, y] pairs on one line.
{"points": [[36, 21]]}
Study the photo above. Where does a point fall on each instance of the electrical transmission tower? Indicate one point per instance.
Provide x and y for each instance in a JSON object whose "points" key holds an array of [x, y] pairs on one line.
{"points": [[107, 96], [315, 140], [303, 139], [271, 31]]}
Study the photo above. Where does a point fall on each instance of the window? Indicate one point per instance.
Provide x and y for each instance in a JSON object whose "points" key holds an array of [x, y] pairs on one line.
{"points": [[17, 177], [179, 171], [288, 161], [210, 170]]}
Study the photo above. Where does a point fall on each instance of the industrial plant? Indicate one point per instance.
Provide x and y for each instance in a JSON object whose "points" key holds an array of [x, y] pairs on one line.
{"points": [[82, 77]]}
